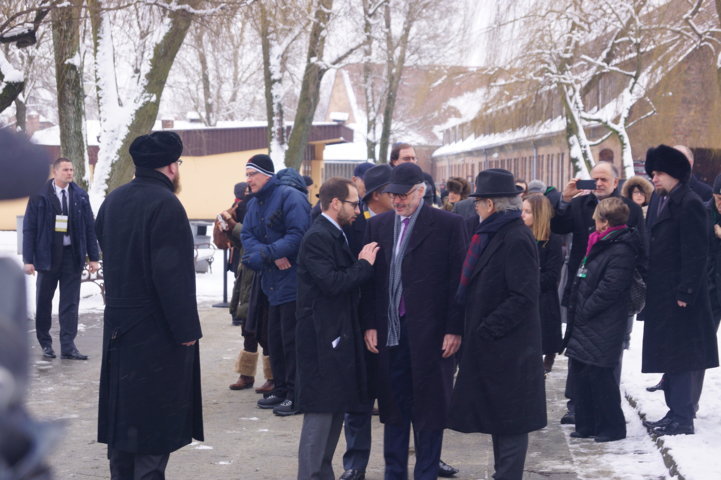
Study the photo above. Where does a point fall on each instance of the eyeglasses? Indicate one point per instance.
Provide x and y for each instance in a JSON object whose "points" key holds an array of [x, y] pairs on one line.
{"points": [[352, 204], [179, 161]]}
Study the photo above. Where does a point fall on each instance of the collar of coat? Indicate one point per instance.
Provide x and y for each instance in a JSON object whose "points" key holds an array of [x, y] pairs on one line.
{"points": [[148, 174]]}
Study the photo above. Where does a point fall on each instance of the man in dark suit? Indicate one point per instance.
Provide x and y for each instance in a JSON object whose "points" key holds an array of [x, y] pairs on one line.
{"points": [[412, 321], [679, 337], [329, 342], [58, 237]]}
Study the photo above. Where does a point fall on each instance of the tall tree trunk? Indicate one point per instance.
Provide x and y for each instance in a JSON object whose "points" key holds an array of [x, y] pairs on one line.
{"points": [[310, 86], [69, 80], [272, 81], [117, 165], [11, 89], [209, 113], [21, 113], [369, 85], [394, 67]]}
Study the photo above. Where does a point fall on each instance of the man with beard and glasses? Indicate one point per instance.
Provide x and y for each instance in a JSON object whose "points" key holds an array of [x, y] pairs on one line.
{"points": [[150, 398], [329, 342]]}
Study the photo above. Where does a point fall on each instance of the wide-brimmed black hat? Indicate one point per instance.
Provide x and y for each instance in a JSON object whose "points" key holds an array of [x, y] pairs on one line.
{"points": [[375, 178], [496, 182], [404, 177], [668, 160]]}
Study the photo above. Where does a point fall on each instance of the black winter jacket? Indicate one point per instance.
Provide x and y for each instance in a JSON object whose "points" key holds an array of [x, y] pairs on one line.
{"points": [[599, 306]]}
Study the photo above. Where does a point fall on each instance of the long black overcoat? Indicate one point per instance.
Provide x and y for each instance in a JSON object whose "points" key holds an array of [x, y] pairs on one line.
{"points": [[329, 343], [500, 387], [150, 398], [677, 339], [430, 274], [550, 260]]}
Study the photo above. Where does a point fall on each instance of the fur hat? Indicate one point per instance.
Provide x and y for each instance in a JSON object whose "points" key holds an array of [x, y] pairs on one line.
{"points": [[156, 150], [640, 182], [668, 160], [261, 163], [459, 186]]}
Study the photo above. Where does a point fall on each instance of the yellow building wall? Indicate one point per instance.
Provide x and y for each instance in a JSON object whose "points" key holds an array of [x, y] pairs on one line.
{"points": [[9, 210], [207, 182]]}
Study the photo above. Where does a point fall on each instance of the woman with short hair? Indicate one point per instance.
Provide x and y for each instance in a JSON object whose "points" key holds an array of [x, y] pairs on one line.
{"points": [[598, 315]]}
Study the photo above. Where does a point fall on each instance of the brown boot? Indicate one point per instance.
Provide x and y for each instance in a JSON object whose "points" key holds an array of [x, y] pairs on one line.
{"points": [[269, 385], [242, 383]]}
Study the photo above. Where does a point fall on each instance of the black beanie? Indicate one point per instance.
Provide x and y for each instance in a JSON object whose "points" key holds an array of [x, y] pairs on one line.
{"points": [[668, 160], [156, 150], [261, 163]]}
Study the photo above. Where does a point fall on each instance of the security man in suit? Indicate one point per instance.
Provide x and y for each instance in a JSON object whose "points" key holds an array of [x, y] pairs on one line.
{"points": [[58, 237]]}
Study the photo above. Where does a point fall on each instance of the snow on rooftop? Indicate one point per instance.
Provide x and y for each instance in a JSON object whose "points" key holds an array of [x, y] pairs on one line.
{"points": [[472, 142], [351, 152]]}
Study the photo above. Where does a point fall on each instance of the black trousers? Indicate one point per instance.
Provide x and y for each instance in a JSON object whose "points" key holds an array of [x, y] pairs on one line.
{"points": [[281, 343], [678, 390], [509, 456], [396, 437], [598, 401], [357, 427], [133, 466], [68, 276]]}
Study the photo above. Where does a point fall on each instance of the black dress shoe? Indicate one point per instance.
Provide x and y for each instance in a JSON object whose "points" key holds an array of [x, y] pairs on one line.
{"points": [[48, 352], [74, 355], [353, 475], [658, 386], [609, 438], [658, 423], [674, 428], [568, 419], [445, 470], [577, 434]]}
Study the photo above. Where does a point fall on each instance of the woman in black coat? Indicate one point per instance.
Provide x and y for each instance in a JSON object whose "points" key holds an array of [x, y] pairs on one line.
{"points": [[597, 321], [537, 212]]}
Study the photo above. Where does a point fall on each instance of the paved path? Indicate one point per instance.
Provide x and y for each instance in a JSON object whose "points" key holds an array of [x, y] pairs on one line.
{"points": [[244, 442]]}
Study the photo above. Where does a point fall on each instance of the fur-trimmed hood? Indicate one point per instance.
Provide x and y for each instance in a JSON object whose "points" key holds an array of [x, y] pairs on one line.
{"points": [[637, 180]]}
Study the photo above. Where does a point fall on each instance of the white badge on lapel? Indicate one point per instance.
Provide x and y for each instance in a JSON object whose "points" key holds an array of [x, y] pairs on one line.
{"points": [[61, 223]]}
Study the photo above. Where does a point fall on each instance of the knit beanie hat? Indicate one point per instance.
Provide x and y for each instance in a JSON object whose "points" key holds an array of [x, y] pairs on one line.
{"points": [[261, 163]]}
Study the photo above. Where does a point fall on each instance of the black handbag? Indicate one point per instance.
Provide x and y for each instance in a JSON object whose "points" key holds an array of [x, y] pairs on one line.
{"points": [[637, 293]]}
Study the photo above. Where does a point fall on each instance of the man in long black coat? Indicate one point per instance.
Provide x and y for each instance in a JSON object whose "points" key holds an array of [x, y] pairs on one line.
{"points": [[411, 320], [150, 399], [500, 387], [679, 336], [329, 343]]}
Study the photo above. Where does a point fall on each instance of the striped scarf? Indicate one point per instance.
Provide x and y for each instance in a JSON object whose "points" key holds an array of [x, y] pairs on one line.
{"points": [[479, 242]]}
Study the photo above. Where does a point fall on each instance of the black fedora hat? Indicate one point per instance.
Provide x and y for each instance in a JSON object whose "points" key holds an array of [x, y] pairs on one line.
{"points": [[496, 182], [375, 178], [404, 177]]}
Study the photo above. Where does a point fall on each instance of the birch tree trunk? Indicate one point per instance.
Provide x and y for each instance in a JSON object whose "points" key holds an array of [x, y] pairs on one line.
{"points": [[70, 93]]}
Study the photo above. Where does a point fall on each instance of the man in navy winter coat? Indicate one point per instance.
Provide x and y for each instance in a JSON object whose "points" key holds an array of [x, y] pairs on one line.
{"points": [[58, 237], [276, 220]]}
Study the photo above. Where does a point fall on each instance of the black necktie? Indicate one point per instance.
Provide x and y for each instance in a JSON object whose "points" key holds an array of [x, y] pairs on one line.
{"points": [[65, 203]]}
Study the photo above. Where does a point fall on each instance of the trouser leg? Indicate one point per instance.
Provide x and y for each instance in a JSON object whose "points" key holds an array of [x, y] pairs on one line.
{"points": [[697, 377], [122, 464], [45, 287], [396, 436], [151, 467], [509, 456], [677, 392], [287, 323], [277, 359], [570, 387], [69, 301], [318, 439], [606, 397], [428, 444], [583, 398], [357, 429]]}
